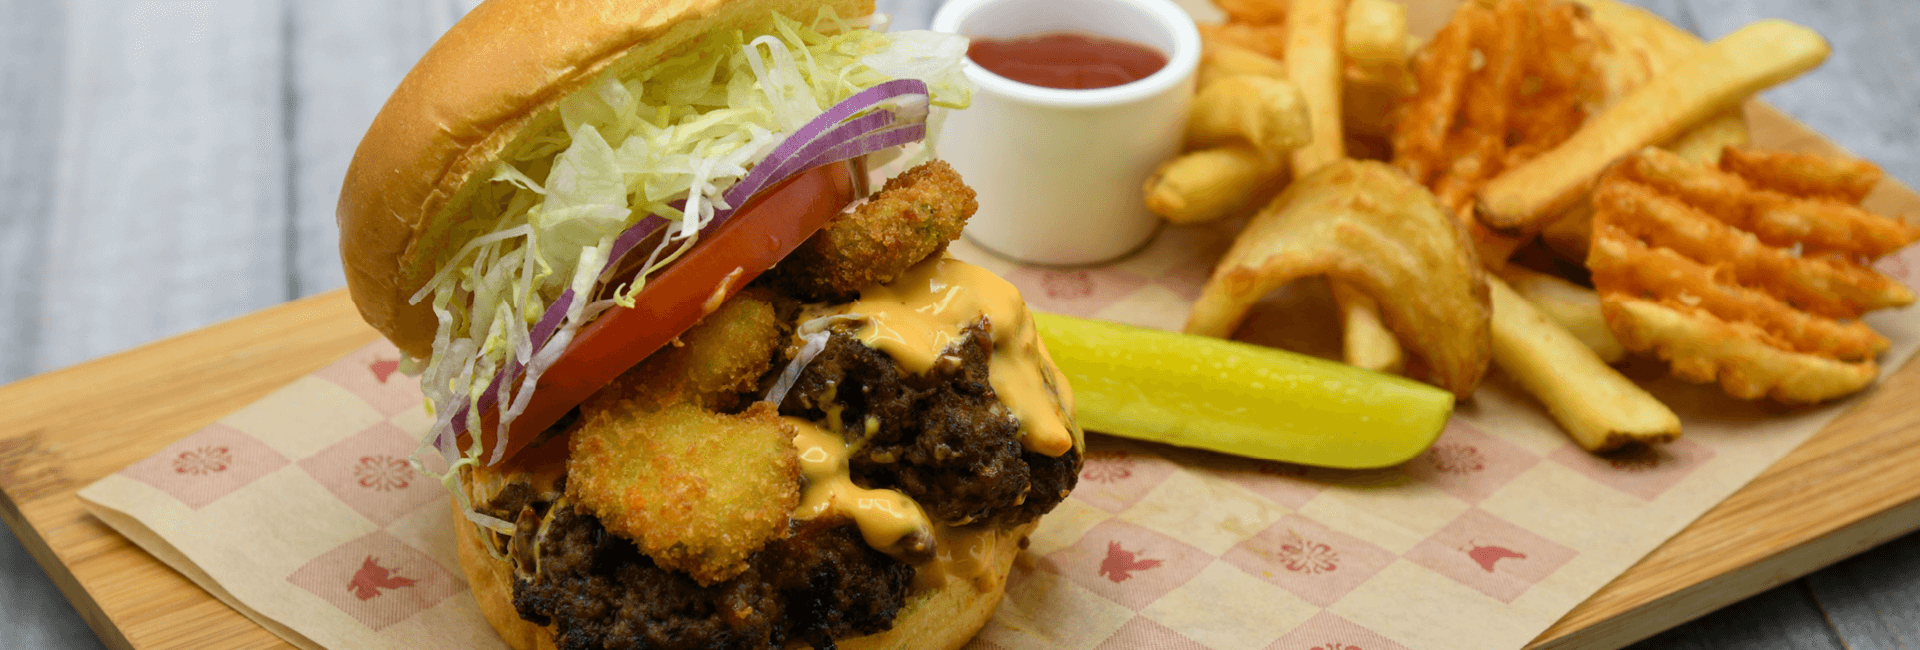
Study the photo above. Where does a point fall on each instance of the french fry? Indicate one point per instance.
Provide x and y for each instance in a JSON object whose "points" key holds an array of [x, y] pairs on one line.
{"points": [[1367, 343], [1705, 142], [1265, 39], [1221, 59], [1264, 112], [1315, 60], [1375, 31], [1376, 75], [1256, 12], [1570, 234], [1601, 409], [1208, 184], [1762, 54], [1574, 307]]}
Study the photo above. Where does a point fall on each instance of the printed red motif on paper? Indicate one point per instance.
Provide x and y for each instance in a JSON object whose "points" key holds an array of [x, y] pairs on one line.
{"points": [[203, 461], [1338, 646], [1485, 556], [1457, 459], [371, 578], [1107, 466], [383, 473], [384, 368], [1301, 555], [1067, 285], [1121, 563]]}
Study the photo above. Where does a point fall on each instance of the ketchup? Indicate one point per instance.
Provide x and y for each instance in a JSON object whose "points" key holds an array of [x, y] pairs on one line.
{"points": [[1068, 60]]}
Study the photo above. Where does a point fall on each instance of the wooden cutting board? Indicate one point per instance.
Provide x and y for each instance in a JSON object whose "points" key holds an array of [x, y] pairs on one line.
{"points": [[1849, 488]]}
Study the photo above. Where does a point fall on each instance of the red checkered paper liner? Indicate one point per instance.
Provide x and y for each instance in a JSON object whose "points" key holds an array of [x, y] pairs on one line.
{"points": [[301, 511]]}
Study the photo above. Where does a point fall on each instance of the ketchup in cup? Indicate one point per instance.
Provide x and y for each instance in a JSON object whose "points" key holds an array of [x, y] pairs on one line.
{"points": [[1066, 60]]}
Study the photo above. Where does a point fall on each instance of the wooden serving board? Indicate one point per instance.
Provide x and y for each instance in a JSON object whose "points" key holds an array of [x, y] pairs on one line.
{"points": [[1847, 489]]}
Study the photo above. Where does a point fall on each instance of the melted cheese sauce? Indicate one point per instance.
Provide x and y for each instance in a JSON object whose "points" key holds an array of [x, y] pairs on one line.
{"points": [[889, 520], [973, 554], [915, 318]]}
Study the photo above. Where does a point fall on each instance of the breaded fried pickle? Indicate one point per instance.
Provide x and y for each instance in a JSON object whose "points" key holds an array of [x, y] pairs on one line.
{"points": [[914, 216], [659, 462]]}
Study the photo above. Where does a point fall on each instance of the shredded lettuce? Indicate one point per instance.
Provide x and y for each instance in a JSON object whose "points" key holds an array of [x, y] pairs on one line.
{"points": [[629, 146]]}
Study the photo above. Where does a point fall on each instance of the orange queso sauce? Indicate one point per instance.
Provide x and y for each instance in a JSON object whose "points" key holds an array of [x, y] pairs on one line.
{"points": [[1068, 60]]}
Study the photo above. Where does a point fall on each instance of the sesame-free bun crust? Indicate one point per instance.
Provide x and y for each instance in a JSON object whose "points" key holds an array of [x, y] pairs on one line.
{"points": [[940, 619], [493, 78]]}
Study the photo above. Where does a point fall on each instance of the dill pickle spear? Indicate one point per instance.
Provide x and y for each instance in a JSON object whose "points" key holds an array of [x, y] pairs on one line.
{"points": [[1238, 398]]}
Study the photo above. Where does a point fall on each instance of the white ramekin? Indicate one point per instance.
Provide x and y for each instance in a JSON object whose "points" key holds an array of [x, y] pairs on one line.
{"points": [[1059, 172]]}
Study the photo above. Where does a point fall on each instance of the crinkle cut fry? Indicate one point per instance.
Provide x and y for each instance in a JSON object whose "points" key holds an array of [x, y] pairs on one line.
{"points": [[1635, 270], [1703, 348], [1835, 288], [1777, 219], [1805, 175]]}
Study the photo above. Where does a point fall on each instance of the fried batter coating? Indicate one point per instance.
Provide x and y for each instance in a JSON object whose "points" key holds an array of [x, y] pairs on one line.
{"points": [[914, 216], [660, 462]]}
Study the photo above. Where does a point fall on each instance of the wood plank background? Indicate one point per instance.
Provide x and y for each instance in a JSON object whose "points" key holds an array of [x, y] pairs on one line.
{"points": [[166, 164]]}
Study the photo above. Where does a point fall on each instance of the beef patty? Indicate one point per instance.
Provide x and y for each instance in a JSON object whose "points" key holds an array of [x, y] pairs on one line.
{"points": [[601, 593], [942, 437]]}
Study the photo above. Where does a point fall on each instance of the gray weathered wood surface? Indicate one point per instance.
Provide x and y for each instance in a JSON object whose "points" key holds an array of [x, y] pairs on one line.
{"points": [[165, 164]]}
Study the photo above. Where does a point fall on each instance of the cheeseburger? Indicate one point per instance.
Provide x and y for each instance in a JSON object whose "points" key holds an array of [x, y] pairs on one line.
{"points": [[694, 385]]}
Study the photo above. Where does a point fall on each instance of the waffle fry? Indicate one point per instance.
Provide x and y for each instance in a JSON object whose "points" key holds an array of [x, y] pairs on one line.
{"points": [[1754, 275], [1461, 127]]}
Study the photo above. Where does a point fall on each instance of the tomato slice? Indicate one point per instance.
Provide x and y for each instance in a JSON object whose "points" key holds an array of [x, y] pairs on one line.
{"points": [[757, 236]]}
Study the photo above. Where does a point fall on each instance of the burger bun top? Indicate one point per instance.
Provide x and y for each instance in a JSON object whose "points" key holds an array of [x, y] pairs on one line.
{"points": [[497, 76]]}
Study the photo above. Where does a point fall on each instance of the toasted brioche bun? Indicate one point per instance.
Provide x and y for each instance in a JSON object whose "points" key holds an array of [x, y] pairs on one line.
{"points": [[498, 75], [936, 619]]}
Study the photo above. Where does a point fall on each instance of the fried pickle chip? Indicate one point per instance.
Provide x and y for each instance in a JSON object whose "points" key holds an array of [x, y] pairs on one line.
{"points": [[696, 488], [1365, 224], [1754, 275], [913, 216]]}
